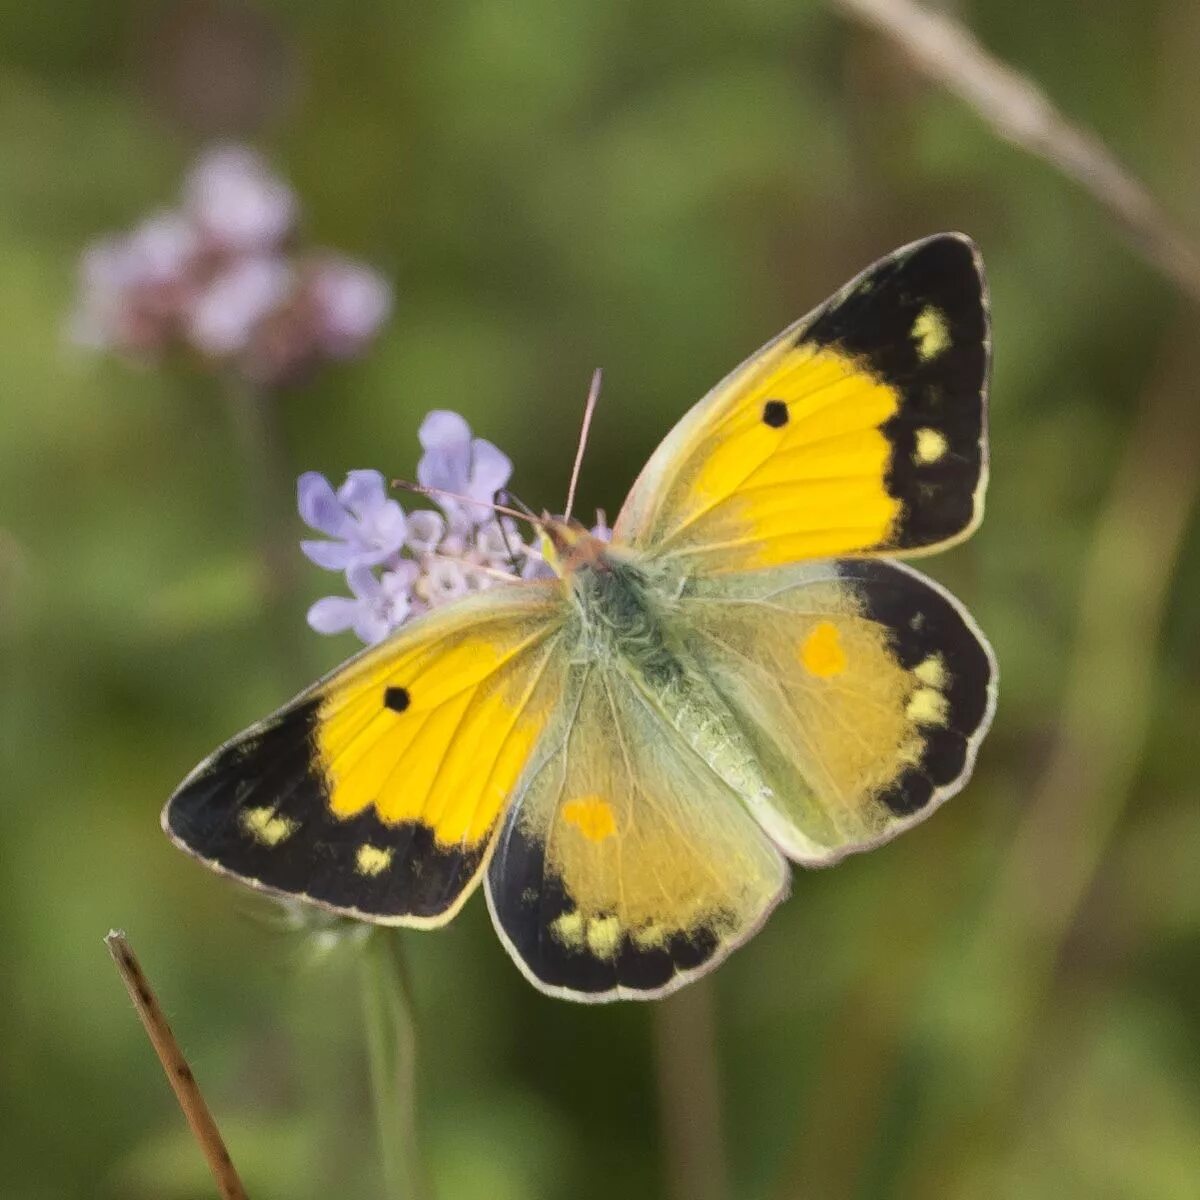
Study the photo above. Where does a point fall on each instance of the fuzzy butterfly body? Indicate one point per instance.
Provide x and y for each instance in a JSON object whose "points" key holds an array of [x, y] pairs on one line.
{"points": [[629, 754]]}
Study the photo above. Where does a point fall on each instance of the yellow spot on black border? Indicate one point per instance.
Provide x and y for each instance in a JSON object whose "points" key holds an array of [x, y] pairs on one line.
{"points": [[372, 860], [930, 333], [265, 827], [603, 936], [927, 706], [930, 448], [569, 928], [931, 671], [821, 652]]}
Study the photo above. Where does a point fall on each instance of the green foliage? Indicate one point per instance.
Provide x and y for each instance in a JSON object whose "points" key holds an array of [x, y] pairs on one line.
{"points": [[655, 189]]}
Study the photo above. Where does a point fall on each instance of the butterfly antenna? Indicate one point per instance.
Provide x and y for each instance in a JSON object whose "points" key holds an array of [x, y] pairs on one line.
{"points": [[421, 490], [593, 396]]}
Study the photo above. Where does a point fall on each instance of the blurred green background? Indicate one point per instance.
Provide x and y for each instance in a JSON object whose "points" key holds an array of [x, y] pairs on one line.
{"points": [[1004, 1002]]}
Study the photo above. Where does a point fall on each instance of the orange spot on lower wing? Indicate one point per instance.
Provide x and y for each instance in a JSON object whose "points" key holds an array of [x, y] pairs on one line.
{"points": [[592, 816], [821, 653]]}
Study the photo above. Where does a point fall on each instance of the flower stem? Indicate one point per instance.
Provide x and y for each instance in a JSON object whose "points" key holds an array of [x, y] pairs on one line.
{"points": [[254, 416], [392, 1060], [689, 1094]]}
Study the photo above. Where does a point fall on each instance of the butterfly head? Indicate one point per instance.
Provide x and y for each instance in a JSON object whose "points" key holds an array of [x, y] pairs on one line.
{"points": [[567, 546]]}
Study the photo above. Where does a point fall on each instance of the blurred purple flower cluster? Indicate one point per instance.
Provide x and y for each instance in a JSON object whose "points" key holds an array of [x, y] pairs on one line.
{"points": [[219, 277], [400, 564]]}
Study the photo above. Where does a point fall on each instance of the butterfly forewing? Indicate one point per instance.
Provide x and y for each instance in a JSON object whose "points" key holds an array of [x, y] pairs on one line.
{"points": [[859, 430], [377, 792]]}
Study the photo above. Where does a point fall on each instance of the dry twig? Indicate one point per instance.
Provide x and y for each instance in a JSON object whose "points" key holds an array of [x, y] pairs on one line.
{"points": [[1020, 112], [179, 1074]]}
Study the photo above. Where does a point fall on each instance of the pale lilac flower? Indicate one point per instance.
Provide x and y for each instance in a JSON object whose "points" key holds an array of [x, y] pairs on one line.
{"points": [[367, 527], [378, 606], [349, 302], [237, 201], [398, 565], [456, 462], [225, 315], [218, 277]]}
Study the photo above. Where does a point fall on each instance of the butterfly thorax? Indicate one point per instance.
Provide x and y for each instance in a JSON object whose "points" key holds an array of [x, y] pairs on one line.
{"points": [[623, 619], [619, 601]]}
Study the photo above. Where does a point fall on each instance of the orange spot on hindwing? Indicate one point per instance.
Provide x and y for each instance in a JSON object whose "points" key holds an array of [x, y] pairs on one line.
{"points": [[592, 816], [821, 653]]}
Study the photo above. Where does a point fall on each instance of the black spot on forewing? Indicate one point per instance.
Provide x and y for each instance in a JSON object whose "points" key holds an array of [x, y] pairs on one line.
{"points": [[775, 414], [921, 623], [396, 698], [528, 899], [873, 320], [275, 767]]}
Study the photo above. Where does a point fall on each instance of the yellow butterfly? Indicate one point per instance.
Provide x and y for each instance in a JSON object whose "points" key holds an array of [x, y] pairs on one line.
{"points": [[631, 751]]}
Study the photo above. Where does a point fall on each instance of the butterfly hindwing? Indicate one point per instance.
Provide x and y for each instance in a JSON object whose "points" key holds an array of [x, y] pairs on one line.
{"points": [[626, 866], [864, 688], [859, 430], [377, 792]]}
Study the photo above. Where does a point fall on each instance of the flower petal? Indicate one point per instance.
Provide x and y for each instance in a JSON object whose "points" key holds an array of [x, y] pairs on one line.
{"points": [[351, 302], [401, 577], [319, 506], [225, 314], [443, 430], [238, 200], [387, 527], [363, 492], [446, 463], [490, 471], [331, 556], [370, 626], [363, 583], [333, 614]]}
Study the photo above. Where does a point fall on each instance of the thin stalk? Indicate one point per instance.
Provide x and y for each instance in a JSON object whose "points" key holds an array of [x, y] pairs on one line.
{"points": [[689, 1094], [175, 1066], [269, 491], [392, 1060], [1018, 110]]}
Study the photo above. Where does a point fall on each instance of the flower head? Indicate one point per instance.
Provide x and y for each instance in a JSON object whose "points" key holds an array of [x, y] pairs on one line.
{"points": [[217, 278], [400, 564]]}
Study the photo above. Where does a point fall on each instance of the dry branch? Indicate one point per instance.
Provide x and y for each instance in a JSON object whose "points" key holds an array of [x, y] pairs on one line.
{"points": [[1020, 112]]}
